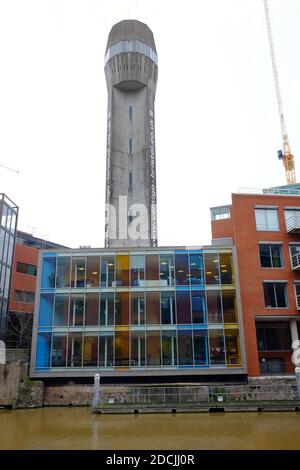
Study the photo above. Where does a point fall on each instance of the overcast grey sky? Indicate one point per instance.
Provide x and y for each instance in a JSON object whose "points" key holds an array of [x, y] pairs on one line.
{"points": [[217, 125]]}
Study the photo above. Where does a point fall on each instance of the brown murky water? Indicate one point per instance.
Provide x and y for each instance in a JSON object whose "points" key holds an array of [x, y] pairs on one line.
{"points": [[77, 428]]}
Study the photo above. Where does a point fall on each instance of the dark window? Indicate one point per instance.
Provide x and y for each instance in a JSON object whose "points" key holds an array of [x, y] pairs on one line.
{"points": [[271, 365], [130, 113], [130, 145], [26, 269], [275, 294], [274, 337], [24, 296], [270, 256]]}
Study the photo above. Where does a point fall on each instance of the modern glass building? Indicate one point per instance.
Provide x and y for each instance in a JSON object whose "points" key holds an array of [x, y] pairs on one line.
{"points": [[154, 311], [8, 227]]}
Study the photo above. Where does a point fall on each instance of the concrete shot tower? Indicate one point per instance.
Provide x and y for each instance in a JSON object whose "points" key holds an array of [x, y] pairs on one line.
{"points": [[131, 77]]}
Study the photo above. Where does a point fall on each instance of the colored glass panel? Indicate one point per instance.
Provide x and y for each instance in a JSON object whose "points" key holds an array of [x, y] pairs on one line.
{"points": [[46, 309], [232, 343], [107, 308], [152, 269], [138, 349], [63, 271], [196, 268], [48, 273], [122, 271], [169, 348], [212, 268], [61, 310], [182, 269], [92, 308], [185, 348], [122, 308], [153, 348], [138, 308], [167, 270], [226, 268], [229, 306], [167, 306], [183, 307], [92, 271], [198, 306], [214, 306], [122, 348], [137, 270], [152, 308], [90, 350]]}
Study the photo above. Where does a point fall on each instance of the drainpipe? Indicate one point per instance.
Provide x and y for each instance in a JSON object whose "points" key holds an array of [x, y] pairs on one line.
{"points": [[296, 352]]}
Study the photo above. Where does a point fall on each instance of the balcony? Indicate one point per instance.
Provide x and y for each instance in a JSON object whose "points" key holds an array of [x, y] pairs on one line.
{"points": [[293, 224], [298, 301], [296, 262]]}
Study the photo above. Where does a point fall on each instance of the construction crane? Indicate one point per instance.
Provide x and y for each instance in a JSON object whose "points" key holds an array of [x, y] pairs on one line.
{"points": [[9, 168], [285, 155]]}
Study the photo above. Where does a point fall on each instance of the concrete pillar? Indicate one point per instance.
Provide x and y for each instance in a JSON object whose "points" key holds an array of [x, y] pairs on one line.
{"points": [[96, 394]]}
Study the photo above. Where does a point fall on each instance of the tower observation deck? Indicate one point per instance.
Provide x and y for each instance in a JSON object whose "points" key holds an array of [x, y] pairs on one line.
{"points": [[131, 77]]}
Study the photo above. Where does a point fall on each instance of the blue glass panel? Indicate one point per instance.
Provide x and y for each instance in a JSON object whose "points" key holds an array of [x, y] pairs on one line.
{"points": [[196, 268], [198, 307], [48, 274], [46, 309], [43, 350]]}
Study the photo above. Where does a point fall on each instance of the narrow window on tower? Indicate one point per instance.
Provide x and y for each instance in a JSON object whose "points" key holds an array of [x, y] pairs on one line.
{"points": [[130, 145], [130, 113], [130, 182]]}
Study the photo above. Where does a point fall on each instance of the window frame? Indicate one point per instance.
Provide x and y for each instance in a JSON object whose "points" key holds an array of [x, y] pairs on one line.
{"points": [[266, 227], [285, 283], [280, 245]]}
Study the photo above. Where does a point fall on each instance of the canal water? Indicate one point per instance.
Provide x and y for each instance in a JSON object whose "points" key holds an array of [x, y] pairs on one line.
{"points": [[77, 428]]}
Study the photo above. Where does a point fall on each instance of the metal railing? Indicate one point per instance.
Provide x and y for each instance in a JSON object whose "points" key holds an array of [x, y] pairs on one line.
{"points": [[293, 223], [270, 191], [296, 261], [193, 395]]}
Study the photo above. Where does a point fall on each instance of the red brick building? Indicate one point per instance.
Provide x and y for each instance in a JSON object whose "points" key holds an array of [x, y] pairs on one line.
{"points": [[265, 228], [22, 287]]}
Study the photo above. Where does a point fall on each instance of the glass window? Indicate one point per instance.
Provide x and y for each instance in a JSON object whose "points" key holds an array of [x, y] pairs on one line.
{"points": [[43, 350], [152, 308], [169, 348], [214, 306], [138, 349], [107, 271], [196, 268], [122, 308], [28, 296], [153, 348], [137, 270], [183, 307], [106, 350], [185, 348], [107, 308], [266, 219], [212, 268], [200, 347], [90, 350], [48, 273], [6, 246], [167, 272], [152, 269], [46, 309], [63, 271], [76, 310], [4, 215], [167, 306], [216, 347], [275, 336], [59, 350], [275, 294], [92, 308], [25, 268], [61, 310], [229, 306], [2, 236], [122, 348], [138, 308], [226, 268], [74, 350], [270, 256], [232, 347], [21, 295], [271, 365], [78, 272], [122, 273], [10, 250], [130, 113], [198, 306], [92, 271], [130, 145], [182, 268]]}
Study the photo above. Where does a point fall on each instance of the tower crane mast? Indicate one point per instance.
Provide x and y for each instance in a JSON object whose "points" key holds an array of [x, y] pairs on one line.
{"points": [[285, 155]]}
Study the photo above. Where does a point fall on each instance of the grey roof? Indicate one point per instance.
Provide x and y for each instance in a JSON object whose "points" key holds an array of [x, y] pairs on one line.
{"points": [[130, 30]]}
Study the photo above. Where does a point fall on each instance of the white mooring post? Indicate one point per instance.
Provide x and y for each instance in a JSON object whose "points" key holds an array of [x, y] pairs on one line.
{"points": [[96, 396]]}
